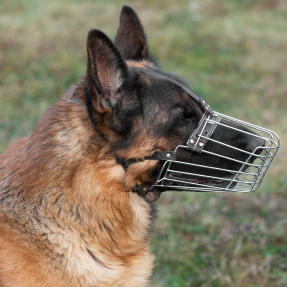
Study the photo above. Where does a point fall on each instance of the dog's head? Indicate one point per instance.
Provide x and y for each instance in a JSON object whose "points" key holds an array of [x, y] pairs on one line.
{"points": [[139, 113]]}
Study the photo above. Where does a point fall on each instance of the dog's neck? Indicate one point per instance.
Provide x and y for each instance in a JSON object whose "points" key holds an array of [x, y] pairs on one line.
{"points": [[60, 141], [71, 177]]}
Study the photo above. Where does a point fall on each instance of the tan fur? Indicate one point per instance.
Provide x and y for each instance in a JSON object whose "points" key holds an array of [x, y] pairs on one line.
{"points": [[69, 216], [142, 64]]}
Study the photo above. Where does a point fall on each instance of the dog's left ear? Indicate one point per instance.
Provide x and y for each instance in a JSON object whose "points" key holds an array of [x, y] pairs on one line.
{"points": [[106, 72], [130, 39]]}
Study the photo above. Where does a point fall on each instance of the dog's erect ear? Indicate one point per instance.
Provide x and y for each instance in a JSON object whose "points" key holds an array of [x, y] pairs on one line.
{"points": [[106, 72], [130, 38]]}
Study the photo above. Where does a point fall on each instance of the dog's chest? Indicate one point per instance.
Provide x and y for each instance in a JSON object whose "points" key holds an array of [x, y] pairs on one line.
{"points": [[89, 259]]}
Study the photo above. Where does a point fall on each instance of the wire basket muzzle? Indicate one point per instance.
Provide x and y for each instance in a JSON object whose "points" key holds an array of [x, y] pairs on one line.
{"points": [[226, 167]]}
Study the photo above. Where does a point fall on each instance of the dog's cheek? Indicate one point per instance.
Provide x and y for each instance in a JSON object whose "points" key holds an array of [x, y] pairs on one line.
{"points": [[139, 173], [121, 124]]}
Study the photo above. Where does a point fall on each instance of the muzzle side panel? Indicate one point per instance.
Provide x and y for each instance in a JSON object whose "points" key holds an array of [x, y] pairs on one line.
{"points": [[235, 167]]}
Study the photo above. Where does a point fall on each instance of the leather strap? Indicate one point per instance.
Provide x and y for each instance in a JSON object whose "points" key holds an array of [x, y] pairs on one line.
{"points": [[205, 128], [158, 155], [142, 190]]}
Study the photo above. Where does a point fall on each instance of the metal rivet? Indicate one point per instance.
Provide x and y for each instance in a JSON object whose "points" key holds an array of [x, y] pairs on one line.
{"points": [[201, 143], [168, 155], [192, 140], [144, 189]]}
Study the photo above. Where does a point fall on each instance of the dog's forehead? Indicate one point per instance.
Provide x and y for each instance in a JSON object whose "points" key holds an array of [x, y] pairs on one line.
{"points": [[164, 102], [163, 93], [160, 97], [150, 77]]}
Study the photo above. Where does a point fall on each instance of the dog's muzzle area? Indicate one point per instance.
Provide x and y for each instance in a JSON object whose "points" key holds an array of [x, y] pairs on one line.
{"points": [[234, 158]]}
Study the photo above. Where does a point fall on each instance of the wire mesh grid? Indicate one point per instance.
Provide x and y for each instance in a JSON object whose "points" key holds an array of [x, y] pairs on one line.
{"points": [[247, 178]]}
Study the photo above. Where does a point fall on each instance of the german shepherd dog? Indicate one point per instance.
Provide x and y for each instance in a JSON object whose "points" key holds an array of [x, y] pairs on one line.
{"points": [[68, 216]]}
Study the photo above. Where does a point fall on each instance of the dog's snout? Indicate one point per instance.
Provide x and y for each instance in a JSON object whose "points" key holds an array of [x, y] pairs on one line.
{"points": [[246, 138]]}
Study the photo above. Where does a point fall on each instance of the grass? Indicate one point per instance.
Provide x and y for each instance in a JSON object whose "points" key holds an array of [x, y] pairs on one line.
{"points": [[233, 53], [222, 240]]}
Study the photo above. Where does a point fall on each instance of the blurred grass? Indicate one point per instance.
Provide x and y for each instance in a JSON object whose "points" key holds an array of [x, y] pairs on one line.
{"points": [[233, 53]]}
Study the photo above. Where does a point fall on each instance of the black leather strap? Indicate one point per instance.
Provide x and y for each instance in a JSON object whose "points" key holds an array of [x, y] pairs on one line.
{"points": [[205, 128], [142, 190], [158, 155]]}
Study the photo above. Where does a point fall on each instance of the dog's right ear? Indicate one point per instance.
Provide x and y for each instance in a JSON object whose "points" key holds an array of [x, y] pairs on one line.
{"points": [[106, 72], [130, 39]]}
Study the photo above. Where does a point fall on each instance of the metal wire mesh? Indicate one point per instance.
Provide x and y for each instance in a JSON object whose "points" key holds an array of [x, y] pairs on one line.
{"points": [[247, 178]]}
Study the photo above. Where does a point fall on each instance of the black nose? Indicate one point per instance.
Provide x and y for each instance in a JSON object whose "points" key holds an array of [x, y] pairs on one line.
{"points": [[249, 141], [258, 145], [255, 142]]}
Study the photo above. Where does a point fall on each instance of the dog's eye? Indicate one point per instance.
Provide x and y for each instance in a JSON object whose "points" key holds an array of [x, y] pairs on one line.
{"points": [[181, 119], [189, 112], [183, 116], [190, 116]]}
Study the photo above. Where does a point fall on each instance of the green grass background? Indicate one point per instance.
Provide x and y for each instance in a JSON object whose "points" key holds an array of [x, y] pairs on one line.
{"points": [[234, 54]]}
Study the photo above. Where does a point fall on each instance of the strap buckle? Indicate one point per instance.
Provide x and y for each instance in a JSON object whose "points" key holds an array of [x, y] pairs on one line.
{"points": [[143, 189], [203, 132]]}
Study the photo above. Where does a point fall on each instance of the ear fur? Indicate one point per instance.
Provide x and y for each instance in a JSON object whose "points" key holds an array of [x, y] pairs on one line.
{"points": [[106, 72], [130, 39]]}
